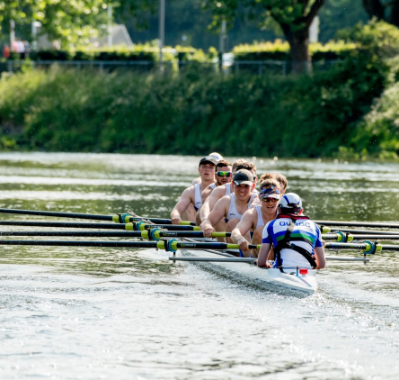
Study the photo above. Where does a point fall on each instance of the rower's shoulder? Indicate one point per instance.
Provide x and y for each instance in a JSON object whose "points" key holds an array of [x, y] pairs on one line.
{"points": [[189, 190], [196, 181], [224, 201], [219, 191]]}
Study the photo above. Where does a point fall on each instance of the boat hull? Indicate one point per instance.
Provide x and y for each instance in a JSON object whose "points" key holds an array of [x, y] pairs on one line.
{"points": [[289, 281]]}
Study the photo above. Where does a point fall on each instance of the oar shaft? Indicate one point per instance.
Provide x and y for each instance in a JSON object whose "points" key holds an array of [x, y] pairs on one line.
{"points": [[357, 232], [356, 224], [171, 245], [72, 243], [127, 217], [57, 214], [110, 226], [127, 234], [360, 237], [215, 259], [363, 246]]}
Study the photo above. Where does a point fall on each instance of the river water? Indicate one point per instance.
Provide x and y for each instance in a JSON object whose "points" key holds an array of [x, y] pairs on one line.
{"points": [[96, 313]]}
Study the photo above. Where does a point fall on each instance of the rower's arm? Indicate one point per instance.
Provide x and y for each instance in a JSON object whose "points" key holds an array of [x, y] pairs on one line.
{"points": [[181, 206], [214, 217], [242, 228], [320, 257], [263, 254], [209, 204]]}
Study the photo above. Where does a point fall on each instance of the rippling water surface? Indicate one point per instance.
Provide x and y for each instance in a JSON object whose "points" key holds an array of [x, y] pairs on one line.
{"points": [[96, 313]]}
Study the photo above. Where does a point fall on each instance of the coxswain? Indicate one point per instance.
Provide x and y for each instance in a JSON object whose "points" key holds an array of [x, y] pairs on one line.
{"points": [[296, 239], [232, 207], [216, 157], [255, 218], [192, 195]]}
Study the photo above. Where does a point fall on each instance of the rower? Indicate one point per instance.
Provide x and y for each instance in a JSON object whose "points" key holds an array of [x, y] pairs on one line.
{"points": [[192, 195], [296, 239], [283, 183], [232, 206], [255, 218], [223, 176], [221, 191], [216, 157]]}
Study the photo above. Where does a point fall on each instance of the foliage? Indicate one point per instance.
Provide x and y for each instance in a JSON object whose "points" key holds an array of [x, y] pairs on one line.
{"points": [[279, 50], [324, 114], [140, 52], [339, 14], [68, 21], [383, 10]]}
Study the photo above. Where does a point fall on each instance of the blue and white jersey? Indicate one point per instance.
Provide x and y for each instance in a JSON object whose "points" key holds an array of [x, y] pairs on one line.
{"points": [[306, 234]]}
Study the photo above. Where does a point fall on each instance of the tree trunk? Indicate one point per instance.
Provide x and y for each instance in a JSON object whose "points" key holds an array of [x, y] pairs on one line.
{"points": [[299, 46]]}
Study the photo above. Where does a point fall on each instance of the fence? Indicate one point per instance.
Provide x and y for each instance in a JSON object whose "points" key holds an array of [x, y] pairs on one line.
{"points": [[270, 67]]}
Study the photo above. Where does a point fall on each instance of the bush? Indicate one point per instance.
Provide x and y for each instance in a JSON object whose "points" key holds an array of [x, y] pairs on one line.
{"points": [[280, 50]]}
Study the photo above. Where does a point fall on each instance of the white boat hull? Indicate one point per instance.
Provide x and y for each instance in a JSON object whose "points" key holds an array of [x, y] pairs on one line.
{"points": [[289, 281]]}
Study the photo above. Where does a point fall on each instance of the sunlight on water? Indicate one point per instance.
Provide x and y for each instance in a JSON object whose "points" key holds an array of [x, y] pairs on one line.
{"points": [[97, 313]]}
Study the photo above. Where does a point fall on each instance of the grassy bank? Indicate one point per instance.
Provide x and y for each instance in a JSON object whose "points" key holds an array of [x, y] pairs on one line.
{"points": [[322, 115]]}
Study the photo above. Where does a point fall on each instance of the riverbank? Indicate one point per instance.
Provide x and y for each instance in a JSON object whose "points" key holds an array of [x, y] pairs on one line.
{"points": [[336, 113]]}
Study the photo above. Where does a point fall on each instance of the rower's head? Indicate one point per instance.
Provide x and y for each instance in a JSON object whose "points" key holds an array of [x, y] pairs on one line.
{"points": [[216, 156], [242, 164], [290, 204], [206, 168], [282, 181], [223, 173], [243, 183], [269, 194]]}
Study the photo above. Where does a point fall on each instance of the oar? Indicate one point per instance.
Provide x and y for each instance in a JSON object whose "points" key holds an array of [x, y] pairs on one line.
{"points": [[368, 247], [119, 218], [253, 261], [169, 245], [326, 230], [157, 234], [109, 226], [344, 238], [356, 224]]}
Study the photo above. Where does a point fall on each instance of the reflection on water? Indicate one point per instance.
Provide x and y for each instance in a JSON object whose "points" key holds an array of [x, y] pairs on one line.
{"points": [[102, 313]]}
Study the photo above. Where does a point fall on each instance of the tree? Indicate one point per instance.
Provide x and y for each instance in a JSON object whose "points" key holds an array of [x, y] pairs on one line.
{"points": [[293, 16], [383, 10], [68, 21]]}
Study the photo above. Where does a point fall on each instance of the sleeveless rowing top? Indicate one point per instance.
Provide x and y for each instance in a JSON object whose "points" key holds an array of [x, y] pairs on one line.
{"points": [[233, 213], [259, 222], [212, 186], [197, 198], [228, 188]]}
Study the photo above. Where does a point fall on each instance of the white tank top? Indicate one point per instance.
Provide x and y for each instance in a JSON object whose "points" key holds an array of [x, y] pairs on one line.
{"points": [[212, 186], [228, 188], [259, 222], [233, 213], [197, 198]]}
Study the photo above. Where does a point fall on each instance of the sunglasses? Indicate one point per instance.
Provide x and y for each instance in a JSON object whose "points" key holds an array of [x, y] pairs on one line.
{"points": [[223, 174], [270, 200]]}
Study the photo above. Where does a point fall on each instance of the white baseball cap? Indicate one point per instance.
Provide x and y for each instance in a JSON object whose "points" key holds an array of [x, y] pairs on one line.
{"points": [[216, 156]]}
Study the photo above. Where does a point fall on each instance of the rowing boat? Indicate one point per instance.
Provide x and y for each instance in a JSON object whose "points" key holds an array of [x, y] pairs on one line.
{"points": [[297, 281]]}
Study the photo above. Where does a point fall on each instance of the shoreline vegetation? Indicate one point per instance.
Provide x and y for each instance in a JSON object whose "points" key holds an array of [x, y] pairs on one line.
{"points": [[349, 111]]}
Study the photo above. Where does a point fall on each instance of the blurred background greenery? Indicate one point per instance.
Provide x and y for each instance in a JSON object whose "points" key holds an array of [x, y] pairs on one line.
{"points": [[342, 103]]}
